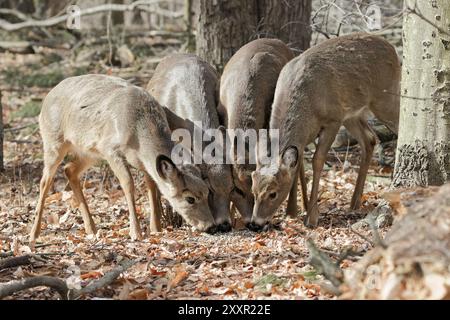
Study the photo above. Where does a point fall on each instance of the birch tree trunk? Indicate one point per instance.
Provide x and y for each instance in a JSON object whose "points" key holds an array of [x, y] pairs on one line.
{"points": [[226, 25], [1, 134], [423, 149]]}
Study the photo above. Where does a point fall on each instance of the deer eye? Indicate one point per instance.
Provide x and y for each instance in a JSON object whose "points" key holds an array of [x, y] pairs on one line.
{"points": [[273, 195], [190, 200]]}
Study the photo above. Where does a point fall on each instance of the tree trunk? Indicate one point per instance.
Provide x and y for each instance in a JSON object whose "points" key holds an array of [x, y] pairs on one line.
{"points": [[286, 20], [1, 134], [423, 150], [225, 26], [414, 264], [117, 18]]}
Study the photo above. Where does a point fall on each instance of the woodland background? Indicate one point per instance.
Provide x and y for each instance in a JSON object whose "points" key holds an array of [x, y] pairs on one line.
{"points": [[352, 254]]}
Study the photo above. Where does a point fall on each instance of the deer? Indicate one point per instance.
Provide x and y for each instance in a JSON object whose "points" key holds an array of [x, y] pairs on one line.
{"points": [[338, 82], [247, 88], [188, 88], [94, 117]]}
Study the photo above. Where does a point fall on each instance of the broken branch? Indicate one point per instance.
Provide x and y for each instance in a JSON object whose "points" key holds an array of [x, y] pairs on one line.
{"points": [[107, 279], [59, 285], [9, 288], [12, 262], [375, 234], [143, 5], [324, 265]]}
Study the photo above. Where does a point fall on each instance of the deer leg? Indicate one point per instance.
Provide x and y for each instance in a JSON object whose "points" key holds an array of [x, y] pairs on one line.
{"points": [[291, 209], [303, 184], [233, 217], [154, 197], [366, 138], [326, 138], [122, 172], [51, 161], [73, 171]]}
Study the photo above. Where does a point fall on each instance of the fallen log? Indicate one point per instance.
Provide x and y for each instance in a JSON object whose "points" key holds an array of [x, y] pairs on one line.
{"points": [[12, 262], [414, 263], [60, 286]]}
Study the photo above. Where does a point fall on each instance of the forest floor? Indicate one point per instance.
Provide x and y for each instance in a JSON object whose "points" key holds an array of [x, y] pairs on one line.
{"points": [[178, 262]]}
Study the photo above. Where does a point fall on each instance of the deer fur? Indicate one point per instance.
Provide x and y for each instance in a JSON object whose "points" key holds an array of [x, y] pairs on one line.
{"points": [[337, 82], [189, 87], [102, 117], [247, 87]]}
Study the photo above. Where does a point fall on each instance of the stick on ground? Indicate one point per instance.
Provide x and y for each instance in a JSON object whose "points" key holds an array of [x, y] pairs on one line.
{"points": [[59, 285]]}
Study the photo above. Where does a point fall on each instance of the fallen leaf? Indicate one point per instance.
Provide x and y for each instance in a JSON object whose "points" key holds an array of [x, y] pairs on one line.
{"points": [[55, 197], [177, 279], [249, 285], [138, 294], [91, 274]]}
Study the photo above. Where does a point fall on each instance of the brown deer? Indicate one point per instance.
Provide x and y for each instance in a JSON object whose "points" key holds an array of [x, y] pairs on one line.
{"points": [[189, 87], [337, 82], [247, 87], [101, 117]]}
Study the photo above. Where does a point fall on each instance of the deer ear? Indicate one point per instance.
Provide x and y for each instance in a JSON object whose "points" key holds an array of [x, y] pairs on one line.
{"points": [[289, 158], [166, 168]]}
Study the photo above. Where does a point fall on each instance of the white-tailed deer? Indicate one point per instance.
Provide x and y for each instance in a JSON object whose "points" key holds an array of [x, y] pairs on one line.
{"points": [[101, 117], [334, 83], [247, 87], [189, 87]]}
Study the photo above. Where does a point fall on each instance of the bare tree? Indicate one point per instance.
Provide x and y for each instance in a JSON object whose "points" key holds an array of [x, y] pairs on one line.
{"points": [[423, 152], [225, 26], [1, 134]]}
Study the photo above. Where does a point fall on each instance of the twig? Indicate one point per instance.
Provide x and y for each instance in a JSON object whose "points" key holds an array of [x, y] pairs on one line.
{"points": [[12, 262], [21, 46], [142, 5], [15, 13], [9, 288], [375, 234], [2, 167], [324, 265], [416, 12], [11, 253], [20, 128], [108, 35], [107, 279], [362, 236]]}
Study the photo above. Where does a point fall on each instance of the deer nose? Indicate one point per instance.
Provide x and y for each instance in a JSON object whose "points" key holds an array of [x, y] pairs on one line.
{"points": [[211, 230], [254, 227], [224, 227]]}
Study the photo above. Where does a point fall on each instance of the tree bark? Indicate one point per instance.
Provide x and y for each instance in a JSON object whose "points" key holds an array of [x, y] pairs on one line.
{"points": [[287, 20], [225, 26], [414, 265], [2, 167], [423, 149], [117, 16]]}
